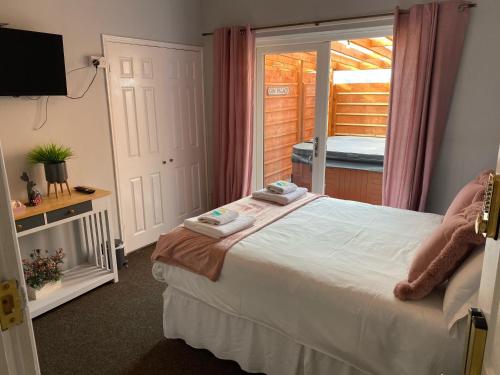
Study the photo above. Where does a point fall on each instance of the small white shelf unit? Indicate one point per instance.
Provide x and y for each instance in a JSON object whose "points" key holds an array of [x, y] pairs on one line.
{"points": [[93, 215]]}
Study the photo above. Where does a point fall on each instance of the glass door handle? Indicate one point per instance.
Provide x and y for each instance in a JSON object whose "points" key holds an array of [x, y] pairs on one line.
{"points": [[315, 146]]}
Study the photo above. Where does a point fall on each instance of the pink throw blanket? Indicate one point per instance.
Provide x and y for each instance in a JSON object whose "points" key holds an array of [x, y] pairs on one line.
{"points": [[204, 255]]}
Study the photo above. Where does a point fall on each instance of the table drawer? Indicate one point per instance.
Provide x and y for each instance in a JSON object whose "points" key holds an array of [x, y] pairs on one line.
{"points": [[69, 211], [29, 223]]}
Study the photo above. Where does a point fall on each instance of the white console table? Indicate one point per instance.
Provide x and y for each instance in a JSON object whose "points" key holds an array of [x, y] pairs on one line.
{"points": [[93, 214]]}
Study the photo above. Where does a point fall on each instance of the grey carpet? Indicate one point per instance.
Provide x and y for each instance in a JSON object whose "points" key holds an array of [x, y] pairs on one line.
{"points": [[117, 329]]}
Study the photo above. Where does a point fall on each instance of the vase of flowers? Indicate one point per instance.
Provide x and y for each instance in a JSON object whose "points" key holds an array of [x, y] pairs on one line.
{"points": [[42, 272], [53, 157]]}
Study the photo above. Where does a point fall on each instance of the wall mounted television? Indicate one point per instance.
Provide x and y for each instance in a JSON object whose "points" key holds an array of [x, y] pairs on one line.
{"points": [[32, 63]]}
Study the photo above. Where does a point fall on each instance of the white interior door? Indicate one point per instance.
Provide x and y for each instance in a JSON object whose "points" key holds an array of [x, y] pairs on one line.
{"points": [[17, 345], [489, 301], [186, 135], [158, 134]]}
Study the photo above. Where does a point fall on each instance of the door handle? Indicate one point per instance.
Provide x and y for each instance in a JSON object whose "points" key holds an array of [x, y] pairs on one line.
{"points": [[316, 146]]}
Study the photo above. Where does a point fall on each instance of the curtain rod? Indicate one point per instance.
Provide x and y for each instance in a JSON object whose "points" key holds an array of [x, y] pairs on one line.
{"points": [[465, 4]]}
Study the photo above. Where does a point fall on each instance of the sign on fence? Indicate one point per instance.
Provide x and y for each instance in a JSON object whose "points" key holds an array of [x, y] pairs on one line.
{"points": [[278, 90]]}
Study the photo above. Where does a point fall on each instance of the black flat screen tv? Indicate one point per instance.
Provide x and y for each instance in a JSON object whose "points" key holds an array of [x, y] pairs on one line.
{"points": [[31, 63]]}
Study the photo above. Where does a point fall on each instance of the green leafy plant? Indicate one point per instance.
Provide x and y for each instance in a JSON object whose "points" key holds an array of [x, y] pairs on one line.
{"points": [[42, 269], [49, 153]]}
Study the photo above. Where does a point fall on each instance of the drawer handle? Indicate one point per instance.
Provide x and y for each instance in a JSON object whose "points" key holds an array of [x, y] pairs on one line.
{"points": [[19, 227], [71, 211]]}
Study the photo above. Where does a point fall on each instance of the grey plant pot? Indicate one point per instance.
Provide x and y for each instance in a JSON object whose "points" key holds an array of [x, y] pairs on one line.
{"points": [[56, 172]]}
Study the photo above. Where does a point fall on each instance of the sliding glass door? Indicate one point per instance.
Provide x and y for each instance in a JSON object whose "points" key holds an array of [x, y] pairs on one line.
{"points": [[322, 104], [292, 114], [360, 74]]}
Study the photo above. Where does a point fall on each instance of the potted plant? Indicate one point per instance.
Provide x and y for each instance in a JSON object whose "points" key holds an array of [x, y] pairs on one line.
{"points": [[43, 273], [53, 157]]}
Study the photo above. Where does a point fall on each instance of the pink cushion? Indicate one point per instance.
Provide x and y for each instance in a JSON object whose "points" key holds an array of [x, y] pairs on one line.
{"points": [[432, 246], [472, 192], [457, 239]]}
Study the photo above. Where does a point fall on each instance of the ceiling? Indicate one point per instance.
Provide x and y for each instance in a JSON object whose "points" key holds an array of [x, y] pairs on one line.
{"points": [[353, 54]]}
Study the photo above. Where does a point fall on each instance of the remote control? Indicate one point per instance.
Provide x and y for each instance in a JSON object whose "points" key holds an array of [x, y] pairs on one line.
{"points": [[84, 189]]}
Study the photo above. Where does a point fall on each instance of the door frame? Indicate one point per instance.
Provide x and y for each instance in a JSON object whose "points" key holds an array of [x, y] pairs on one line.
{"points": [[287, 40], [322, 50], [18, 353], [489, 299], [106, 39]]}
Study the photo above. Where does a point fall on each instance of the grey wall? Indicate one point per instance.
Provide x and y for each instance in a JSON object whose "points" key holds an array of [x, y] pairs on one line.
{"points": [[473, 131], [471, 139], [82, 124]]}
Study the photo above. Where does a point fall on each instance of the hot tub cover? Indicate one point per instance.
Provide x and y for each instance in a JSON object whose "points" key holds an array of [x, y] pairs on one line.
{"points": [[347, 152]]}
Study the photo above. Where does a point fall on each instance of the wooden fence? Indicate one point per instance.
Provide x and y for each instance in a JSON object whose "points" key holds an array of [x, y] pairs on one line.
{"points": [[359, 109], [288, 115], [354, 109]]}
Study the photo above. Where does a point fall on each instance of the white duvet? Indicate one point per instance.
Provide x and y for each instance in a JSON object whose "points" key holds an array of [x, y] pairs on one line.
{"points": [[323, 275]]}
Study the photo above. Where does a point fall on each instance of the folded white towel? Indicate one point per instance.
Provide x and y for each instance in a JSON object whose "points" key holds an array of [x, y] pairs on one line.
{"points": [[219, 231], [219, 216], [281, 187], [282, 199]]}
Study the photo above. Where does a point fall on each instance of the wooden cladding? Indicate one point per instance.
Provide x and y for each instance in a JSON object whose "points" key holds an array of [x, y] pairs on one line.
{"points": [[289, 100], [359, 109]]}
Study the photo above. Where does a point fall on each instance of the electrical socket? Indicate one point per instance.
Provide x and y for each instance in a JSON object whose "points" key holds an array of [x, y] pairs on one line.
{"points": [[101, 59]]}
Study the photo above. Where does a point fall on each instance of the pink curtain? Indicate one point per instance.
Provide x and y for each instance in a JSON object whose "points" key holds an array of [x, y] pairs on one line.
{"points": [[234, 50], [428, 43]]}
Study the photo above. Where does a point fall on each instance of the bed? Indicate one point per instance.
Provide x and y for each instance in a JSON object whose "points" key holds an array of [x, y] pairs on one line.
{"points": [[312, 294]]}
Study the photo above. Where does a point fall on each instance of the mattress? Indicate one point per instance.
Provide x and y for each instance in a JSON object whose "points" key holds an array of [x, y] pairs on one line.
{"points": [[323, 276], [346, 152]]}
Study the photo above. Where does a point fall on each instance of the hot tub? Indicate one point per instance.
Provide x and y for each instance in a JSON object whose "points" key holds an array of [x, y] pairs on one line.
{"points": [[365, 153], [354, 167]]}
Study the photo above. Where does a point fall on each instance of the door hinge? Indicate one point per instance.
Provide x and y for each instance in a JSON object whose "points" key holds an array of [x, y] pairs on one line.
{"points": [[477, 331], [11, 312]]}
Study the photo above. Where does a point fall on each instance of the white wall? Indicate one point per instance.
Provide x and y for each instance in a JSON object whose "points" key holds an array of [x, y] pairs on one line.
{"points": [[82, 124], [473, 130]]}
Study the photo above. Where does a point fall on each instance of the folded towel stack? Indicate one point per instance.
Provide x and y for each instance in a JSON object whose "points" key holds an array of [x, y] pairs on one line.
{"points": [[281, 187], [219, 216], [283, 199], [219, 231]]}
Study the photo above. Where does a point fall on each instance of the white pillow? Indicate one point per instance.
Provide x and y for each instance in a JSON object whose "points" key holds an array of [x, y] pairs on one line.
{"points": [[463, 288]]}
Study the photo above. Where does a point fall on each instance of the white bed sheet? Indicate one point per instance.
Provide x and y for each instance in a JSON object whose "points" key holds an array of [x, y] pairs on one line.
{"points": [[323, 275], [255, 347]]}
